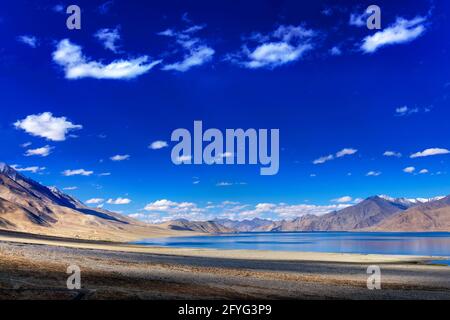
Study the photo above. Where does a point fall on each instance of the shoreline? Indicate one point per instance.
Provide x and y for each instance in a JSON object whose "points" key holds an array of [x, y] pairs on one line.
{"points": [[265, 255]]}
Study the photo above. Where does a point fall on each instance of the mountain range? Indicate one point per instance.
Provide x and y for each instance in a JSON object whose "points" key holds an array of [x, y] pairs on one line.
{"points": [[27, 206]]}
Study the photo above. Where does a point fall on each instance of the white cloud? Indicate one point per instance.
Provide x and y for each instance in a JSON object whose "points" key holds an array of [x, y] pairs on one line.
{"points": [[158, 145], [43, 152], [104, 174], [430, 152], [58, 8], [77, 172], [120, 157], [33, 169], [196, 51], [392, 154], [108, 37], [47, 126], [77, 66], [26, 144], [70, 188], [342, 153], [424, 171], [119, 201], [323, 159], [284, 45], [31, 41], [373, 173], [224, 184], [409, 169], [404, 111], [335, 51], [164, 210], [346, 152], [401, 31], [344, 199], [95, 201], [358, 19]]}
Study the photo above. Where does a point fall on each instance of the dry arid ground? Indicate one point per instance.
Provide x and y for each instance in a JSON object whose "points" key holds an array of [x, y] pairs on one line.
{"points": [[38, 271]]}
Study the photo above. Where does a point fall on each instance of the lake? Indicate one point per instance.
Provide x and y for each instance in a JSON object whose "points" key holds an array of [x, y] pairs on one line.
{"points": [[399, 243]]}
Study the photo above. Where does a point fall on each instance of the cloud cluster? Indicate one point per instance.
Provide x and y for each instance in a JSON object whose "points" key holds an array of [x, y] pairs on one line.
{"points": [[47, 126], [163, 210], [77, 66], [401, 31]]}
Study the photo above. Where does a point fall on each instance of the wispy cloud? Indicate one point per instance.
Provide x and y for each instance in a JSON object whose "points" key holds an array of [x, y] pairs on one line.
{"points": [[284, 45], [335, 51], [105, 7], [392, 154], [95, 201], [42, 152], [342, 153], [31, 41], [405, 110], [402, 31], [47, 126], [358, 19], [33, 169], [77, 172], [430, 152], [196, 51], [77, 66], [109, 38], [373, 173], [70, 188]]}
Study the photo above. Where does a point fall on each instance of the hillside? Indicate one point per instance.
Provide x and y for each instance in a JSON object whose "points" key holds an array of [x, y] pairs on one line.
{"points": [[28, 206], [432, 216]]}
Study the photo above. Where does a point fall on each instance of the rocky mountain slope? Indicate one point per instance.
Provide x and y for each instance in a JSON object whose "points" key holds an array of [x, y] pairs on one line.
{"points": [[430, 216], [28, 206]]}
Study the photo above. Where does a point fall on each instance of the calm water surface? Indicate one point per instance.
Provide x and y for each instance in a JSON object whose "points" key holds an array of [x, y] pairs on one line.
{"points": [[424, 243]]}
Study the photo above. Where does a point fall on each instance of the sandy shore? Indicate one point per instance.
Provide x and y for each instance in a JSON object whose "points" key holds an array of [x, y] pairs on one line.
{"points": [[35, 267]]}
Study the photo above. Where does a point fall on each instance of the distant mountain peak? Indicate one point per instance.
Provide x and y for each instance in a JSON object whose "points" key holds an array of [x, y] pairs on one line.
{"points": [[8, 171]]}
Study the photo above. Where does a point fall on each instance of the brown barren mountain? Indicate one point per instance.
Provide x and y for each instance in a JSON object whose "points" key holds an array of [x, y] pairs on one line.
{"points": [[432, 216], [367, 213], [27, 206]]}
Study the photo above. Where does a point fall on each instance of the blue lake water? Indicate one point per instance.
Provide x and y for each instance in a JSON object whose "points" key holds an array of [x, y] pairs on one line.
{"points": [[399, 243]]}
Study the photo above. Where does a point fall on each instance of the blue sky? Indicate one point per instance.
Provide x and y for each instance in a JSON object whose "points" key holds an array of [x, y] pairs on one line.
{"points": [[360, 112]]}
